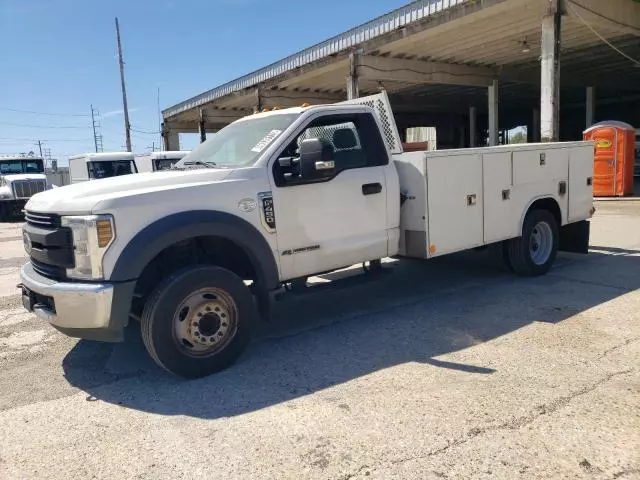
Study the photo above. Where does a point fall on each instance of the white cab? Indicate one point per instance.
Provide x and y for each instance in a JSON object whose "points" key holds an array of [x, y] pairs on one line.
{"points": [[95, 166]]}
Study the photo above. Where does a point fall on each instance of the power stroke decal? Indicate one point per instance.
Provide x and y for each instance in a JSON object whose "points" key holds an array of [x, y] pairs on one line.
{"points": [[268, 212], [310, 248]]}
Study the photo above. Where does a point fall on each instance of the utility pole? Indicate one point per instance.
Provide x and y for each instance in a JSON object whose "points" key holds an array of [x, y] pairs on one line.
{"points": [[40, 147], [47, 157], [159, 118], [127, 125], [97, 138]]}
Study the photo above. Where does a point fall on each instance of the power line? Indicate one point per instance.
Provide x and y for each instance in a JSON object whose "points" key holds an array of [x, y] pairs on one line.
{"points": [[145, 132], [575, 12], [25, 139], [44, 113], [40, 126], [598, 14]]}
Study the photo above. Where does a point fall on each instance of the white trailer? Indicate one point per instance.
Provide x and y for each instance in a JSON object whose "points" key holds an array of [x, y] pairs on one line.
{"points": [[158, 161], [94, 166], [196, 255]]}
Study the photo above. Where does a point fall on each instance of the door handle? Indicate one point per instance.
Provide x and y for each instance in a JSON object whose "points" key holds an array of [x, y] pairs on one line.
{"points": [[371, 188], [471, 200]]}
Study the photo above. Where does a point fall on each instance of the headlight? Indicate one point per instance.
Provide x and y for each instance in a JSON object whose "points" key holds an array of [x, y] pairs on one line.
{"points": [[92, 236]]}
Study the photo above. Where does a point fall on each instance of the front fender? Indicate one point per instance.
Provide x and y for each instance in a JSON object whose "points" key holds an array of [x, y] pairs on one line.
{"points": [[178, 227]]}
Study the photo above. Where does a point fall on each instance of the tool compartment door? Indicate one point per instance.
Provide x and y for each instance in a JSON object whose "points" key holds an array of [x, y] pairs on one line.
{"points": [[499, 223], [580, 182], [455, 202], [538, 172]]}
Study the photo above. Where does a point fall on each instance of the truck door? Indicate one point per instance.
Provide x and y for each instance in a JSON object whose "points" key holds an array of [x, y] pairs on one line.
{"points": [[339, 220]]}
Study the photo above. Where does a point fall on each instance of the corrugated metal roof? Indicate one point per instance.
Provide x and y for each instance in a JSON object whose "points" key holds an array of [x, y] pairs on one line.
{"points": [[401, 17]]}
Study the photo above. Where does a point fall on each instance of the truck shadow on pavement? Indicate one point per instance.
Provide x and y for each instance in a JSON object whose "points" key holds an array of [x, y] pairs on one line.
{"points": [[351, 327]]}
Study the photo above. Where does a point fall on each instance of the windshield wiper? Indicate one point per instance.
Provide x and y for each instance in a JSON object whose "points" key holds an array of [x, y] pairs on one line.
{"points": [[204, 164], [186, 165]]}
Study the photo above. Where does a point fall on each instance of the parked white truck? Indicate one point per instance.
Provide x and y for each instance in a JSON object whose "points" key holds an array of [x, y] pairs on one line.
{"points": [[158, 161], [95, 166], [197, 255], [21, 177]]}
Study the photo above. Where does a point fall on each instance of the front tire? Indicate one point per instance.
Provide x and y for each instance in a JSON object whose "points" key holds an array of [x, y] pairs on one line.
{"points": [[534, 252], [197, 321]]}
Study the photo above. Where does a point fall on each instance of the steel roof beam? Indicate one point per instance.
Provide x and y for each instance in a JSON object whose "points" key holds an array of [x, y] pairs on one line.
{"points": [[416, 72]]}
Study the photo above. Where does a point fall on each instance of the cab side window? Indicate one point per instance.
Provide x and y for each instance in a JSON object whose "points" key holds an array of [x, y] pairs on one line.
{"points": [[345, 143], [352, 140]]}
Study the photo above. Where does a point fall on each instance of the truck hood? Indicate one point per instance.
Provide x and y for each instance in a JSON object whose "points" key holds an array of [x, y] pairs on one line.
{"points": [[25, 176], [85, 196]]}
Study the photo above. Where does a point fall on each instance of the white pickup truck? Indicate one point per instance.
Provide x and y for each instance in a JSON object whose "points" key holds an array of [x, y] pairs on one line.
{"points": [[196, 255]]}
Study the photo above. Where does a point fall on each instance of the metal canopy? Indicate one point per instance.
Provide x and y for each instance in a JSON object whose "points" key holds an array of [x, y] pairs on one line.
{"points": [[437, 52]]}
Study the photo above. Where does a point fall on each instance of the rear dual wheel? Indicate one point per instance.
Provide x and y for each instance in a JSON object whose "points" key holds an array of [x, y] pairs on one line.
{"points": [[197, 321]]}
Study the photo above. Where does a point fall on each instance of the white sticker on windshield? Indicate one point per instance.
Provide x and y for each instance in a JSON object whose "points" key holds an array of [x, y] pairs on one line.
{"points": [[264, 143]]}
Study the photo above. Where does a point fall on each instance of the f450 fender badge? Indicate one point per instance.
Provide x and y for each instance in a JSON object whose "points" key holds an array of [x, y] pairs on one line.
{"points": [[267, 210]]}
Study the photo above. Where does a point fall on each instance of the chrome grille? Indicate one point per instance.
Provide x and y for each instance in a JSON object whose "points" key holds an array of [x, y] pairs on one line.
{"points": [[42, 219], [28, 188]]}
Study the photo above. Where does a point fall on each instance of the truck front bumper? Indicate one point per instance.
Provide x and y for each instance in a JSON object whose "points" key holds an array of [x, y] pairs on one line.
{"points": [[93, 311], [14, 207]]}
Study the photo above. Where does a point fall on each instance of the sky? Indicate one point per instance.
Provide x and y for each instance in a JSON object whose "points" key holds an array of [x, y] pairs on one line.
{"points": [[59, 57]]}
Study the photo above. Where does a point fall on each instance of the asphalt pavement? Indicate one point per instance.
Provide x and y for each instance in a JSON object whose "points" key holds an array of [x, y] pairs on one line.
{"points": [[451, 368]]}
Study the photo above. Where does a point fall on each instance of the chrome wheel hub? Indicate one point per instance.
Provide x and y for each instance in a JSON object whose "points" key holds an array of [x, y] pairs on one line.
{"points": [[205, 322]]}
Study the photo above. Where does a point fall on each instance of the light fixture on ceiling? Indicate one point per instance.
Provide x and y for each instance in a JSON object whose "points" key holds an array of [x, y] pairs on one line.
{"points": [[524, 46]]}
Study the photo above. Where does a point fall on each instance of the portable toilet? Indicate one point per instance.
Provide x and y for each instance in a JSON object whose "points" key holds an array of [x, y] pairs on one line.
{"points": [[614, 158]]}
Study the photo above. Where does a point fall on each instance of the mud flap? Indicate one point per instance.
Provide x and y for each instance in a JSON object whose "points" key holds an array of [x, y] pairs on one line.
{"points": [[574, 237]]}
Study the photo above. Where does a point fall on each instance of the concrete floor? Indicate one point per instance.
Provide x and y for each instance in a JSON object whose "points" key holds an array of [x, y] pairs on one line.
{"points": [[451, 368]]}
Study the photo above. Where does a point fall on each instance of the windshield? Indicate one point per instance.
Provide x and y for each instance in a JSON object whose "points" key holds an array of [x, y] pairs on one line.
{"points": [[239, 144], [110, 169], [9, 167]]}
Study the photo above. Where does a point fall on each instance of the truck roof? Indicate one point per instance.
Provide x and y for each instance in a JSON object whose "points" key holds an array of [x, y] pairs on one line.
{"points": [[19, 157], [270, 113], [282, 111], [103, 156]]}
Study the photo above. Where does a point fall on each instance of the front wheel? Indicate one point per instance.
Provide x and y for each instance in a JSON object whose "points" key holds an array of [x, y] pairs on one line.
{"points": [[534, 252], [197, 321]]}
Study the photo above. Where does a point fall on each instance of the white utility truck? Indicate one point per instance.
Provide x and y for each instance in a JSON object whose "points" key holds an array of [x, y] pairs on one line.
{"points": [[197, 254], [95, 166], [158, 161], [21, 177]]}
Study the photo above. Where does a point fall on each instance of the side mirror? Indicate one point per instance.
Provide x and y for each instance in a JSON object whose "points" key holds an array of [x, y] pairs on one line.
{"points": [[316, 158]]}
